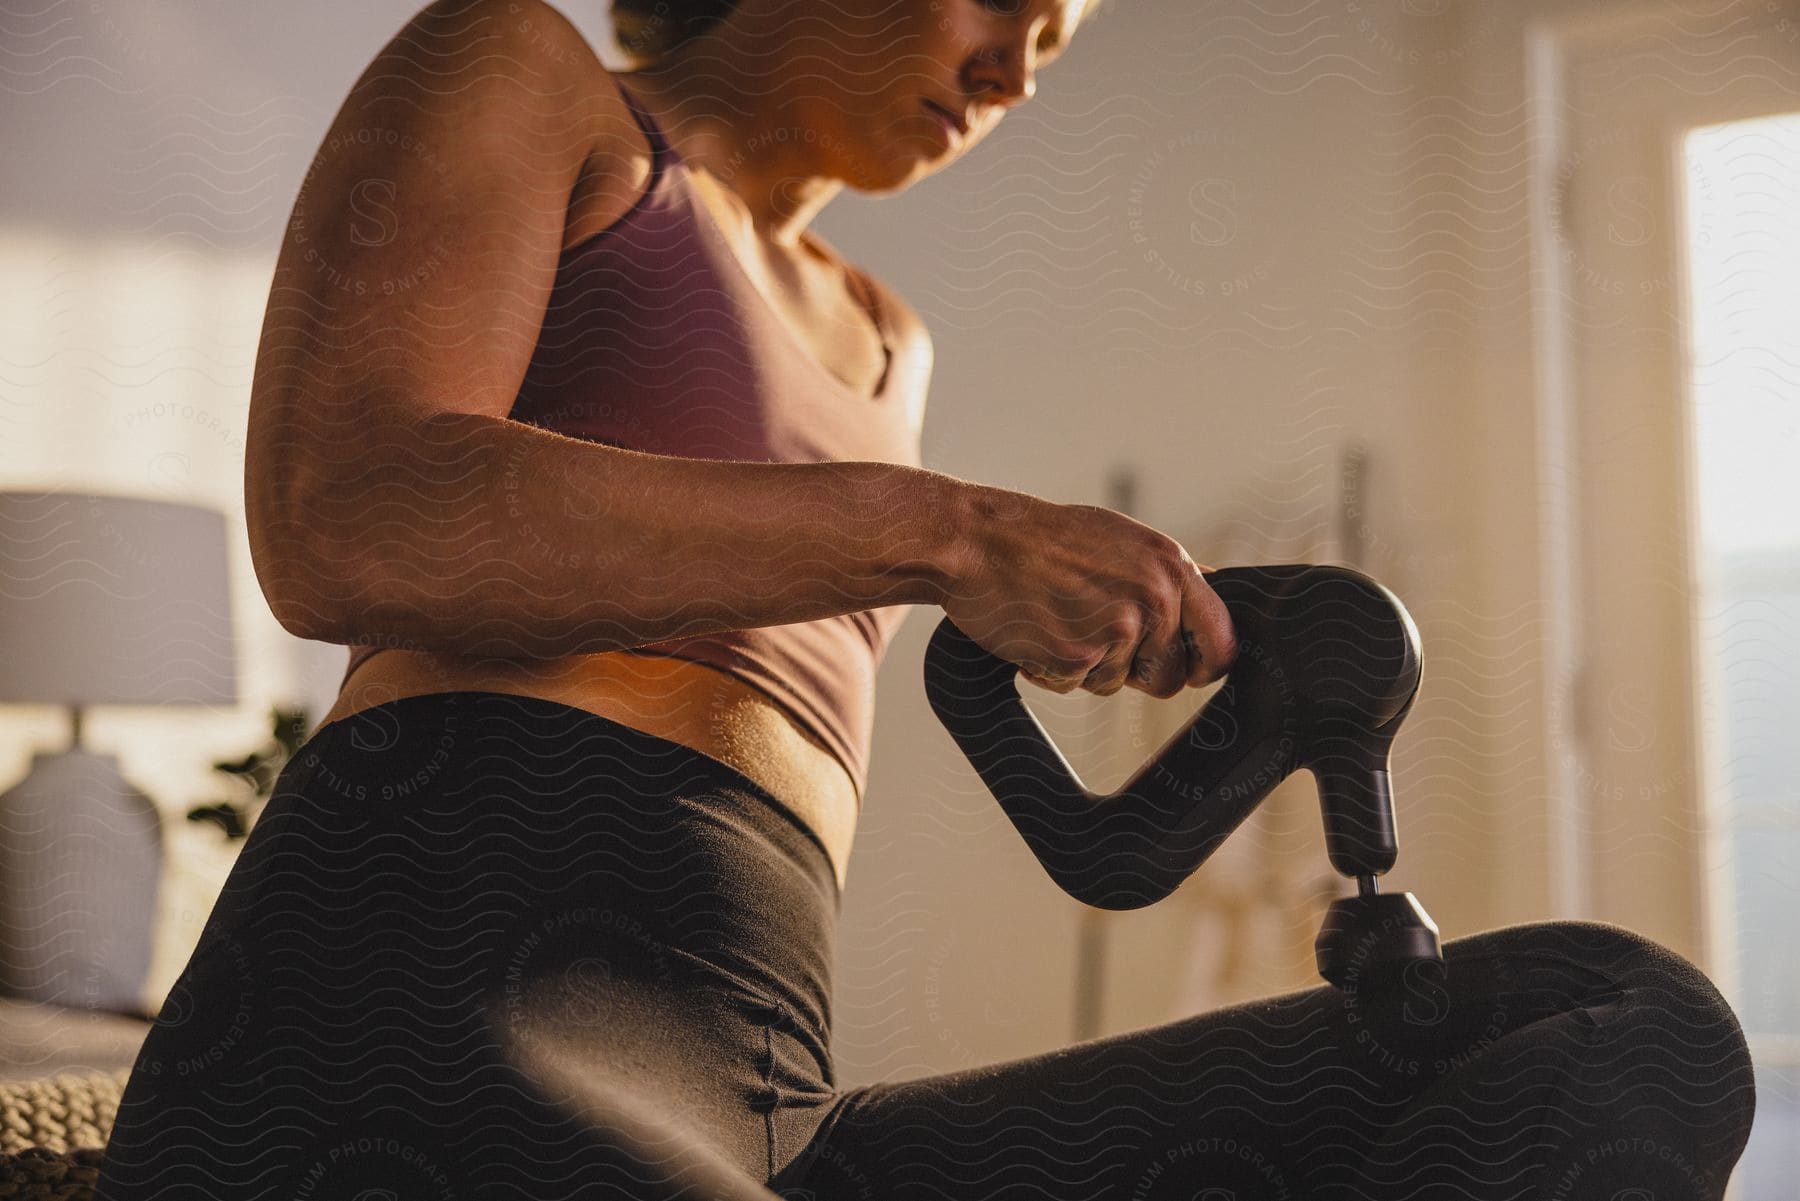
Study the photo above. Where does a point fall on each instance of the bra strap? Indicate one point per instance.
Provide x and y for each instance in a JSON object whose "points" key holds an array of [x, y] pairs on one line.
{"points": [[659, 145], [871, 300]]}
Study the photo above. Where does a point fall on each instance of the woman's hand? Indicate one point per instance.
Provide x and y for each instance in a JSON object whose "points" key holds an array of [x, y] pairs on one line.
{"points": [[1080, 596]]}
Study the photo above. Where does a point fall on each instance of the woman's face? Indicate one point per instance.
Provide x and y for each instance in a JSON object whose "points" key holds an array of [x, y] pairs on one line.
{"points": [[875, 71]]}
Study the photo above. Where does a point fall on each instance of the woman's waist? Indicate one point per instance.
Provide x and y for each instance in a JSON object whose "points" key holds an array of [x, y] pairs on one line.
{"points": [[682, 701]]}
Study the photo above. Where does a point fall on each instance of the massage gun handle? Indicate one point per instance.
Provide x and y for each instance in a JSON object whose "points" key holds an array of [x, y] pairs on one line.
{"points": [[1327, 667]]}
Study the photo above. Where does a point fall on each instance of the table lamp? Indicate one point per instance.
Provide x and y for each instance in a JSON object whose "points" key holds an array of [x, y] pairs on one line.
{"points": [[104, 600]]}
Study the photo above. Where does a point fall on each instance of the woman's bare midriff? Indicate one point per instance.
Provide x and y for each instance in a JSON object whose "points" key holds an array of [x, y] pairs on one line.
{"points": [[685, 702]]}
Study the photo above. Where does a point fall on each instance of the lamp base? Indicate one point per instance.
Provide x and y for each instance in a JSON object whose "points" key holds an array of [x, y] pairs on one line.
{"points": [[80, 863]]}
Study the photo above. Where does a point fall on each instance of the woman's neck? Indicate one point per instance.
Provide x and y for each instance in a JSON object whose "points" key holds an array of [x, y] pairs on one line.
{"points": [[741, 131]]}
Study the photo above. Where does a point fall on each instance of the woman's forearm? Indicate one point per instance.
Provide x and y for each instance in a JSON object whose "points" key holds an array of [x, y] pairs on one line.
{"points": [[469, 534]]}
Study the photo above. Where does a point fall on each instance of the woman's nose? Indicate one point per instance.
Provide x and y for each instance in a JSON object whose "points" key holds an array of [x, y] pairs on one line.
{"points": [[1005, 74]]}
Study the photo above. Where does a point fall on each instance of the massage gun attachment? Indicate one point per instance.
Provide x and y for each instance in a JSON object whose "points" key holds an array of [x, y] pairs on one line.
{"points": [[1328, 665]]}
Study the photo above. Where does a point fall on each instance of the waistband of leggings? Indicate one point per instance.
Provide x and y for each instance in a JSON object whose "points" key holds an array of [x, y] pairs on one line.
{"points": [[650, 761]]}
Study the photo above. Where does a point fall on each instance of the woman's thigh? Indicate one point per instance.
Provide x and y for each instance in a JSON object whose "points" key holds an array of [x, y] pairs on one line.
{"points": [[1554, 1060]]}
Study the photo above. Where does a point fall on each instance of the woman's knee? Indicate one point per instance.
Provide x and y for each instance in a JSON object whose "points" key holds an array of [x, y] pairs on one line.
{"points": [[1611, 977], [1590, 952], [1654, 1003]]}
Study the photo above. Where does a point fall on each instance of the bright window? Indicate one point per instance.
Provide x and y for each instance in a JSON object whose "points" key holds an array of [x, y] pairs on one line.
{"points": [[1743, 246]]}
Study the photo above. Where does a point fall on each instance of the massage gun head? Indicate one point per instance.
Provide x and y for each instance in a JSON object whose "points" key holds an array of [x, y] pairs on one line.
{"points": [[1376, 940]]}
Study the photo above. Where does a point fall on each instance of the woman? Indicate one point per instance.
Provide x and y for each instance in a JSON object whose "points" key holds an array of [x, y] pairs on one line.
{"points": [[608, 471]]}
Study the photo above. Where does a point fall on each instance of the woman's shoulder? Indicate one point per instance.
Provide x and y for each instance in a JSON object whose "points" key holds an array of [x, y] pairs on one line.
{"points": [[909, 329], [534, 30], [901, 318], [913, 352]]}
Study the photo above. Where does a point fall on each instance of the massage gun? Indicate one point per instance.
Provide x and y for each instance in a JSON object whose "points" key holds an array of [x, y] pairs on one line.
{"points": [[1328, 665]]}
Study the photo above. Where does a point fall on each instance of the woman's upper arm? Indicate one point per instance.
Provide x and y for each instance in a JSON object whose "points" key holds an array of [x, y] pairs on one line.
{"points": [[415, 270]]}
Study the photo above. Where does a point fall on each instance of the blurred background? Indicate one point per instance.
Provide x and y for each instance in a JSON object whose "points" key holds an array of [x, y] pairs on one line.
{"points": [[1492, 300]]}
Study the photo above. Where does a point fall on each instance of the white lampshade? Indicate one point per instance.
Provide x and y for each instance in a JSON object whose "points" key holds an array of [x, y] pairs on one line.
{"points": [[108, 600]]}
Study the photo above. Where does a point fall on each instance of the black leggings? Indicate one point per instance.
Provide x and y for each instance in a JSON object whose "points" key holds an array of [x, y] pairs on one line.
{"points": [[488, 946]]}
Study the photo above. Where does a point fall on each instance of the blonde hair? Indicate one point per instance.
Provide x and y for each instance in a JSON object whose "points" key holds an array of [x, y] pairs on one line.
{"points": [[651, 30]]}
